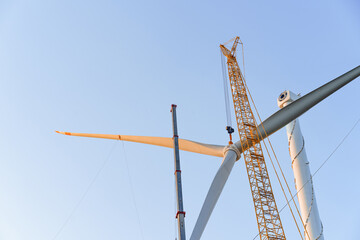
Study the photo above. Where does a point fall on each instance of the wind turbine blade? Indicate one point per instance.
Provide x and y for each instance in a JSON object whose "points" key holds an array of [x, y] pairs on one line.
{"points": [[292, 111], [287, 114], [214, 193], [185, 145]]}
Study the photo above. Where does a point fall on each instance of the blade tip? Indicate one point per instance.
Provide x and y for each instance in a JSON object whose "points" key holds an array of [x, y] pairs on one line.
{"points": [[65, 133]]}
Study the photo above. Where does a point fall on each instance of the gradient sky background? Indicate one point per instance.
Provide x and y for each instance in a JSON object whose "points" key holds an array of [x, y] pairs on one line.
{"points": [[116, 67]]}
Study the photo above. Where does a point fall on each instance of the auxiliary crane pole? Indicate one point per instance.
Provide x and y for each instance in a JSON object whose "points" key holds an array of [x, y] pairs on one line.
{"points": [[267, 214]]}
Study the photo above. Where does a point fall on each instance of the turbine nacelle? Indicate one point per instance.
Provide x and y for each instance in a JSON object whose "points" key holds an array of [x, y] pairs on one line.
{"points": [[286, 97]]}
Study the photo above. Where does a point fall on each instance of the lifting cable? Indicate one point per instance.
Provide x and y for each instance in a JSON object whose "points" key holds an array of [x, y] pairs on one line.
{"points": [[282, 173], [132, 192], [226, 91], [229, 127], [272, 163], [325, 161], [77, 205]]}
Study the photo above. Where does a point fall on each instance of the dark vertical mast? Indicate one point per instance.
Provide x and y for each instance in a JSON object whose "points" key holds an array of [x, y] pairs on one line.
{"points": [[180, 215]]}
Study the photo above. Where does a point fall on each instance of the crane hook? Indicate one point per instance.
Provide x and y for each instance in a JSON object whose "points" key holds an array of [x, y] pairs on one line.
{"points": [[230, 130]]}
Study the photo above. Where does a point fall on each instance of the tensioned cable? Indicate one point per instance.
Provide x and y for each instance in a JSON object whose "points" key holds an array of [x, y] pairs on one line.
{"points": [[272, 163], [278, 163], [334, 150], [282, 173], [243, 57], [327, 159], [85, 192], [226, 90], [276, 173], [252, 100], [132, 191], [225, 82]]}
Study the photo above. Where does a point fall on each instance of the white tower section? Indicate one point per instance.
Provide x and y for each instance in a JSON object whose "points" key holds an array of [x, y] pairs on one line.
{"points": [[303, 179]]}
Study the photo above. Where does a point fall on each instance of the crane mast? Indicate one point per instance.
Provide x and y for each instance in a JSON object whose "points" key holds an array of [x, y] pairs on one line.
{"points": [[267, 214]]}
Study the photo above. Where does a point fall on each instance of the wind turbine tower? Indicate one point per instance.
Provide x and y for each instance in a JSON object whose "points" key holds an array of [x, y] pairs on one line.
{"points": [[303, 179], [251, 134]]}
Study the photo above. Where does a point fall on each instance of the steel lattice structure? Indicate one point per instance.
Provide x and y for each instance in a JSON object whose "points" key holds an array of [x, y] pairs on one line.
{"points": [[267, 214]]}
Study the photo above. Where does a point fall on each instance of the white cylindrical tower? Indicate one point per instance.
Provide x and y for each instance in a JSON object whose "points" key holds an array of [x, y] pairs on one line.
{"points": [[303, 179]]}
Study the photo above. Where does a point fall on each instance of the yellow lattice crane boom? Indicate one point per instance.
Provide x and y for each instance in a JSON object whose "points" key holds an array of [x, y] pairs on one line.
{"points": [[267, 214]]}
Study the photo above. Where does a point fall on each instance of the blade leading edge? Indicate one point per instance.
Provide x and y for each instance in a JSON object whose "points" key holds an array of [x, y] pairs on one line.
{"points": [[185, 145], [275, 122], [289, 113], [214, 192]]}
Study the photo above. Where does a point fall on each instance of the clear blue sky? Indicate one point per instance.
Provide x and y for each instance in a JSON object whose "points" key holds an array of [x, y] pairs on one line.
{"points": [[116, 67]]}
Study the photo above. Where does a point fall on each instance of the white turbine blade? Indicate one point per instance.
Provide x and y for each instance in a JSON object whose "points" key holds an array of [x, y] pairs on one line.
{"points": [[289, 113], [213, 194], [186, 145]]}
